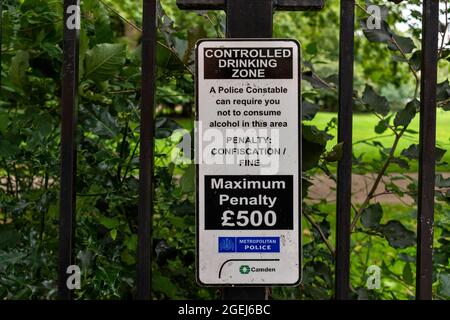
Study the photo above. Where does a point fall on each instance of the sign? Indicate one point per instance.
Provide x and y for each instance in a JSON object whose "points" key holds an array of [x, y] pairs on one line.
{"points": [[248, 157]]}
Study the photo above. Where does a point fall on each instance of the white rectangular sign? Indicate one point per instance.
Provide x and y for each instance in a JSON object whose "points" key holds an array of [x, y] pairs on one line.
{"points": [[248, 162]]}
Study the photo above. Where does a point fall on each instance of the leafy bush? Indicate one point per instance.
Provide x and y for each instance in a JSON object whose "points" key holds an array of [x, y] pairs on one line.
{"points": [[108, 149]]}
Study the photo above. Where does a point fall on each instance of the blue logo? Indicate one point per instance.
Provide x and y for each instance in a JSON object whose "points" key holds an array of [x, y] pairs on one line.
{"points": [[249, 244], [227, 244]]}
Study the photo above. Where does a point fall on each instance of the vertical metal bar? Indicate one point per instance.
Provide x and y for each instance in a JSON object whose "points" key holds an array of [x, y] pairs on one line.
{"points": [[427, 153], [245, 293], [68, 154], [344, 173], [248, 19], [144, 268]]}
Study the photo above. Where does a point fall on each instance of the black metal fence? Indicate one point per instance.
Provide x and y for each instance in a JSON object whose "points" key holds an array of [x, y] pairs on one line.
{"points": [[253, 18]]}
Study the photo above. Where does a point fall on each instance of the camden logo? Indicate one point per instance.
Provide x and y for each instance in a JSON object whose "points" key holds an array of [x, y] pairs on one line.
{"points": [[246, 269]]}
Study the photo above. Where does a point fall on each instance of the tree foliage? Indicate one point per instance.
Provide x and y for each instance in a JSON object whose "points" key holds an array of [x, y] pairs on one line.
{"points": [[387, 79]]}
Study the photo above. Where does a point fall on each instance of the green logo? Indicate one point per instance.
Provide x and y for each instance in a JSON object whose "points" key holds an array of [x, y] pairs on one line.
{"points": [[244, 269]]}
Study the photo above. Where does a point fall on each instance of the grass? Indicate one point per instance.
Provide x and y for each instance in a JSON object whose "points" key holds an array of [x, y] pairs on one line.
{"points": [[364, 134]]}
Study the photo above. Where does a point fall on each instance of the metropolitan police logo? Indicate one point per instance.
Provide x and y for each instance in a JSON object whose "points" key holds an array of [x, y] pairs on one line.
{"points": [[226, 244]]}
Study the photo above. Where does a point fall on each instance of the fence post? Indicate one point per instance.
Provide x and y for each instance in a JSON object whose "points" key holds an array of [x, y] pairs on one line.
{"points": [[344, 173], [147, 128], [248, 19], [427, 150], [68, 148]]}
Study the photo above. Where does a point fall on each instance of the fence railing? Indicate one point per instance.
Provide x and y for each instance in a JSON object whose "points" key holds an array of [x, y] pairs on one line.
{"points": [[252, 18]]}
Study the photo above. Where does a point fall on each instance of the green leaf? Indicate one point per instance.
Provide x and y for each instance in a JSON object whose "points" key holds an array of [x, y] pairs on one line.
{"points": [[377, 103], [102, 123], [127, 258], [163, 284], [314, 80], [187, 181], [309, 110], [86, 258], [371, 216], [442, 182], [362, 293], [305, 186], [445, 54], [335, 154], [402, 163], [110, 223], [53, 50], [312, 157], [399, 58], [311, 48], [113, 234], [84, 43], [442, 90], [445, 105], [7, 149], [325, 227], [185, 208], [406, 44], [165, 127], [30, 5], [4, 122], [131, 242], [8, 236], [407, 274], [179, 45], [416, 60], [104, 61], [333, 79], [83, 48], [398, 235], [194, 34], [444, 284], [19, 66], [404, 116], [412, 152], [382, 125], [312, 134], [382, 34], [44, 124], [406, 257], [164, 57]]}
